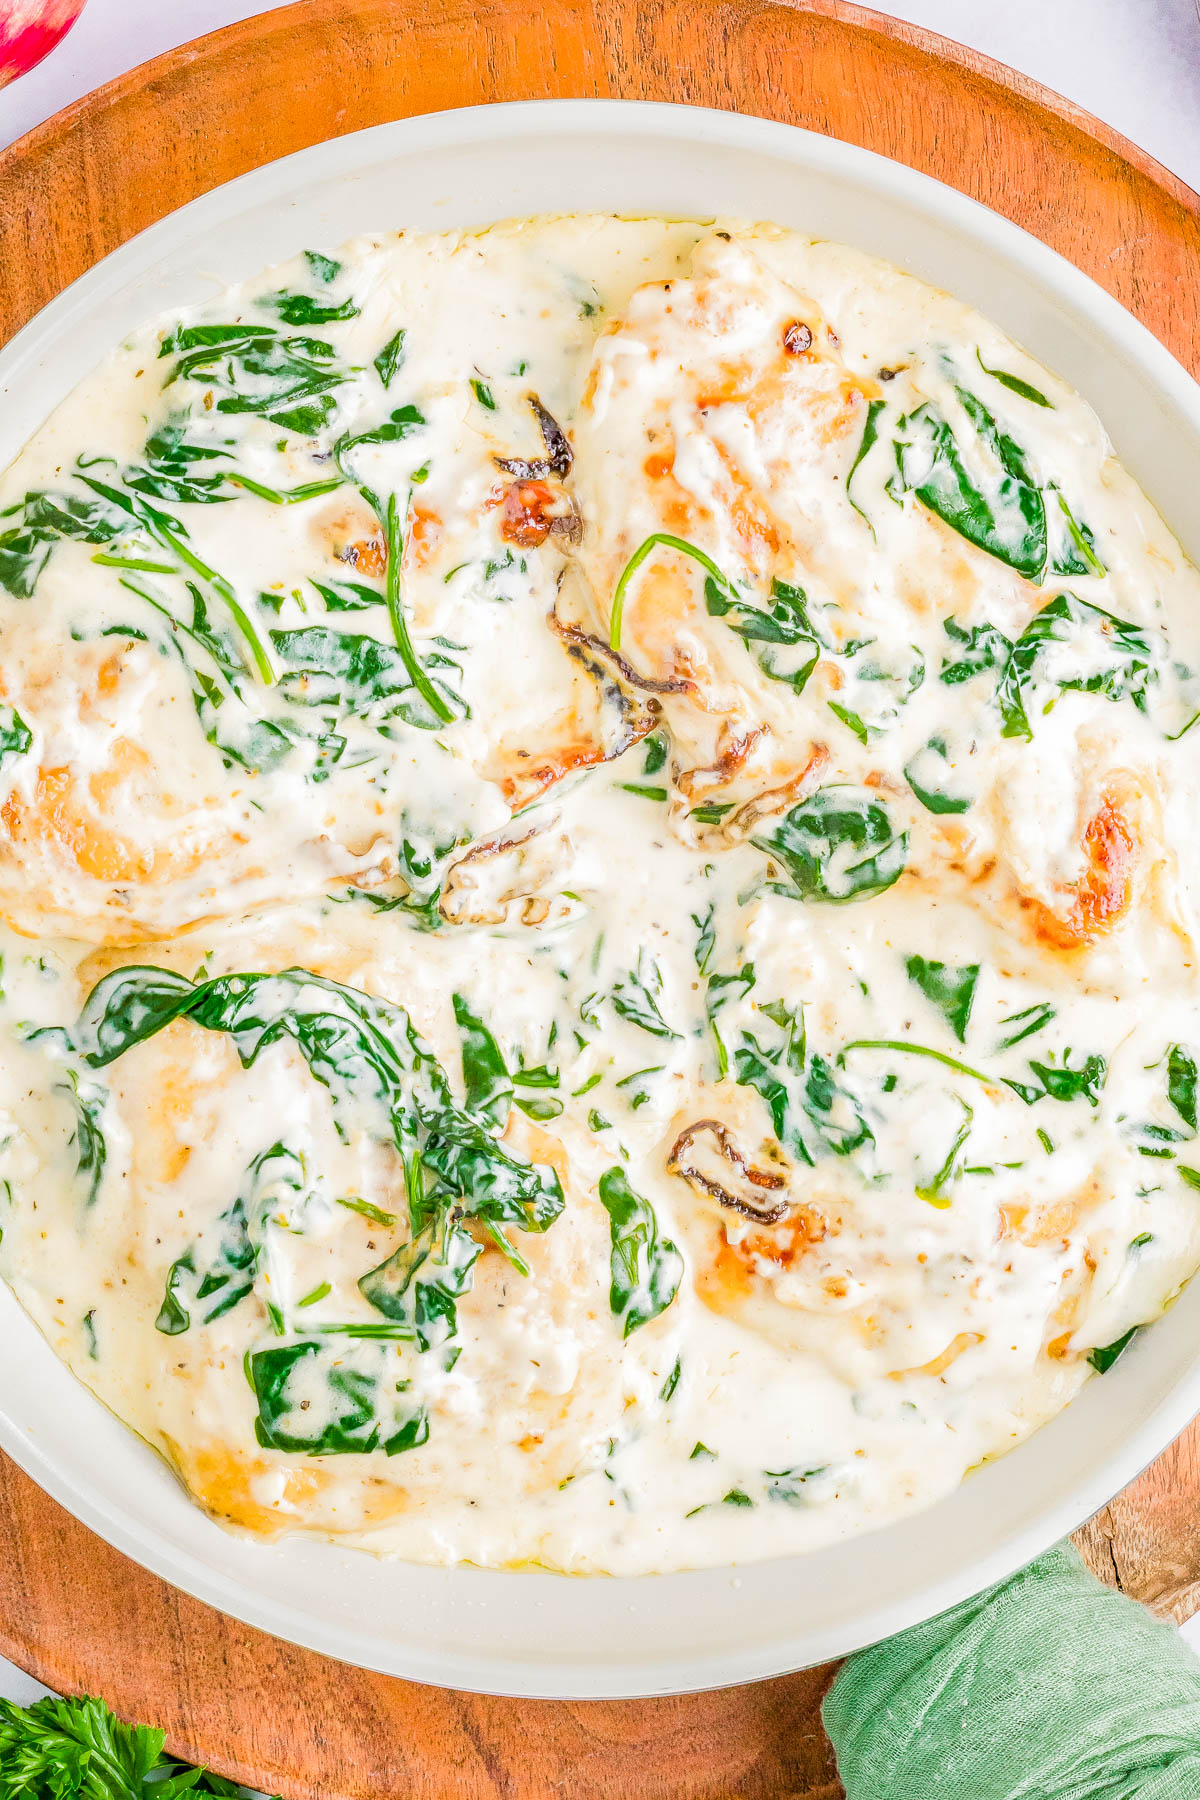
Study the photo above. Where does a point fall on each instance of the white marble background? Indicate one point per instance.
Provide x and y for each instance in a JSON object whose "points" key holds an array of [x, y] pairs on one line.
{"points": [[1135, 63]]}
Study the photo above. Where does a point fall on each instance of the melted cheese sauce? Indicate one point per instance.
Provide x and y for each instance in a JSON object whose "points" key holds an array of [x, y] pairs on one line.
{"points": [[622, 794]]}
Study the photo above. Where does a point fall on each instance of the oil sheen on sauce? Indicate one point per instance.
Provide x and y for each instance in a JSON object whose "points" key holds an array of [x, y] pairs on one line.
{"points": [[599, 871]]}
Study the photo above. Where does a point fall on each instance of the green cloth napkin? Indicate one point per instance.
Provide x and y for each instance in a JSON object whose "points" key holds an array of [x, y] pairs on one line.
{"points": [[1047, 1687]]}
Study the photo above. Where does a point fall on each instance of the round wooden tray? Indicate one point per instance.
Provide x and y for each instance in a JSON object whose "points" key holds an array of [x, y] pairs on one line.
{"points": [[72, 1610]]}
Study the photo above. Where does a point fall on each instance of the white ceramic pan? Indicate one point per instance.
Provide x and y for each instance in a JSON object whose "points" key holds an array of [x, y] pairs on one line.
{"points": [[541, 1634]]}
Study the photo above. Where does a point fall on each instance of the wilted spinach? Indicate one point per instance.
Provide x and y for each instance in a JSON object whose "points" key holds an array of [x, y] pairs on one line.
{"points": [[812, 1112], [16, 739], [357, 674], [485, 1073], [781, 636], [91, 1149], [367, 1052], [838, 845], [227, 1274], [1102, 1359], [1002, 512], [1061, 1081], [356, 1408], [666, 541], [1000, 508], [949, 986], [926, 771], [1181, 1084], [259, 370], [646, 1269], [637, 995], [1111, 657], [719, 991]]}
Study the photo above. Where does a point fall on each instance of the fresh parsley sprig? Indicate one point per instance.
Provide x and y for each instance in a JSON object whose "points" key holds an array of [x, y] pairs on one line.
{"points": [[79, 1750]]}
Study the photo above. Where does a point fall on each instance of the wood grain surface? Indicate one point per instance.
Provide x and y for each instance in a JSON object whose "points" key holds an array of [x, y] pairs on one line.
{"points": [[74, 1611]]}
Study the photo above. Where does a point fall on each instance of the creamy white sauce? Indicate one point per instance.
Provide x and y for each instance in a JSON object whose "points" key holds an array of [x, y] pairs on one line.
{"points": [[971, 1176]]}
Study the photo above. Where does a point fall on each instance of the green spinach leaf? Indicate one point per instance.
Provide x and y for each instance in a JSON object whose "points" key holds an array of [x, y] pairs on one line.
{"points": [[636, 998], [1001, 512], [789, 644], [357, 674], [16, 739], [838, 845], [390, 358], [1103, 1359], [485, 1072], [1181, 1084], [949, 986], [646, 1269], [926, 774]]}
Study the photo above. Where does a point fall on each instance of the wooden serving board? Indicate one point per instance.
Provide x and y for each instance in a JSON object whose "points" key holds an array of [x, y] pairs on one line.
{"points": [[77, 1613]]}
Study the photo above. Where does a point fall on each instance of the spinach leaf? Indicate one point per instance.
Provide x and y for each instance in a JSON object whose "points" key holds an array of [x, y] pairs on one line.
{"points": [[348, 596], [775, 1070], [811, 1111], [950, 987], [983, 648], [420, 1284], [357, 674], [926, 771], [46, 519], [707, 938], [1181, 1084], [838, 845], [1002, 512], [173, 1317], [1155, 1140], [1060, 1081], [142, 519], [646, 1270], [311, 1402], [126, 1008], [719, 991], [1090, 651], [259, 370], [230, 1272], [16, 739], [934, 1192], [389, 515], [1103, 1359], [1087, 650], [1032, 1019], [252, 742], [791, 645], [1014, 384], [91, 1148], [834, 1110], [655, 747], [1073, 545], [879, 693], [169, 472], [390, 358], [367, 1052], [664, 540], [227, 1275], [401, 424], [870, 434], [638, 1087], [485, 1072], [786, 1485], [636, 998], [306, 309]]}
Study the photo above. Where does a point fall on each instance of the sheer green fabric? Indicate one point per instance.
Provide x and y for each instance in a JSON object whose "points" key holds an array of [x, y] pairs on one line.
{"points": [[1047, 1687]]}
